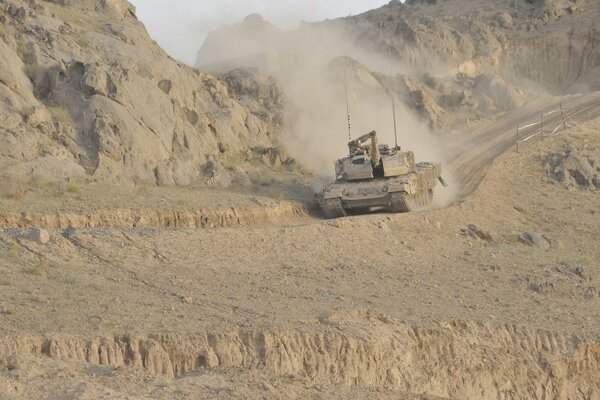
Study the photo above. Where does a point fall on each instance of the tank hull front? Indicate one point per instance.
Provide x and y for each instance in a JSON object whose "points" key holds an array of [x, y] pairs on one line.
{"points": [[402, 193]]}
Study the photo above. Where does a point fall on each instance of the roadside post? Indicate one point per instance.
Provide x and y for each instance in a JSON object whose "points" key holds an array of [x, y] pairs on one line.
{"points": [[562, 113]]}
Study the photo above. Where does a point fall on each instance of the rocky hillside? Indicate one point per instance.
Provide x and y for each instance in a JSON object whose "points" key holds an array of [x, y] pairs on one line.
{"points": [[471, 57], [85, 92], [450, 60]]}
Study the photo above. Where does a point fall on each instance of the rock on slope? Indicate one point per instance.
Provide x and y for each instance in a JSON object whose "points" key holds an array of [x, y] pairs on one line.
{"points": [[84, 91]]}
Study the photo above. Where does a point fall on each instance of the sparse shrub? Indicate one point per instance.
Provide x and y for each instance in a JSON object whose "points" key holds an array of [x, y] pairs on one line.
{"points": [[14, 251], [39, 269], [73, 187]]}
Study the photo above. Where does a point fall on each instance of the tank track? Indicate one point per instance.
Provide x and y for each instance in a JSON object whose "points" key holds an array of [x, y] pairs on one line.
{"points": [[402, 202], [334, 209]]}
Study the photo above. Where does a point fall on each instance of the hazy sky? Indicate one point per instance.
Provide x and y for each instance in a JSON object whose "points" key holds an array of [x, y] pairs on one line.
{"points": [[180, 26]]}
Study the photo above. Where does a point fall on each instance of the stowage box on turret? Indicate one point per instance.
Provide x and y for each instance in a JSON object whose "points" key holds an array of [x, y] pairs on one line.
{"points": [[377, 177]]}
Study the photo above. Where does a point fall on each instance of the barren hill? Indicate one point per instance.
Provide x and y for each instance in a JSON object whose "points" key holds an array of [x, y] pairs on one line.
{"points": [[86, 93]]}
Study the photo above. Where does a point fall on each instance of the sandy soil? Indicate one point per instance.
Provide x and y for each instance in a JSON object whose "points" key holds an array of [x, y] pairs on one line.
{"points": [[193, 302]]}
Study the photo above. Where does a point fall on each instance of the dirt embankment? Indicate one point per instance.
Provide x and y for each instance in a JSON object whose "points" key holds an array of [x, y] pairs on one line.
{"points": [[362, 348], [146, 218], [572, 62]]}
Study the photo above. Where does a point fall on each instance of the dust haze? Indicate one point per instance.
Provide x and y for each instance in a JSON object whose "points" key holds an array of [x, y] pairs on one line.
{"points": [[316, 65], [181, 26]]}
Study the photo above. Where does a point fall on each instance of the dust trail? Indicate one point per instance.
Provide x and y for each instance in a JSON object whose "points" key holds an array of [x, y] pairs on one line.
{"points": [[310, 63]]}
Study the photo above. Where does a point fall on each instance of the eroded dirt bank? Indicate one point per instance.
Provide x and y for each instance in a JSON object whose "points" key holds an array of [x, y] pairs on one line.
{"points": [[144, 218], [361, 348]]}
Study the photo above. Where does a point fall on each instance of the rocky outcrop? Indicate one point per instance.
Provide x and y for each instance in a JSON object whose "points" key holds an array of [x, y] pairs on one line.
{"points": [[452, 61], [575, 168], [84, 90], [560, 60], [362, 348]]}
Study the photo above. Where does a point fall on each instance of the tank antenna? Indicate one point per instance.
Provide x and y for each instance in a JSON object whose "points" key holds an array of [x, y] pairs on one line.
{"points": [[394, 114], [347, 106]]}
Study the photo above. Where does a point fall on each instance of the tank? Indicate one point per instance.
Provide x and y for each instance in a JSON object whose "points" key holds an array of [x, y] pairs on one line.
{"points": [[378, 177]]}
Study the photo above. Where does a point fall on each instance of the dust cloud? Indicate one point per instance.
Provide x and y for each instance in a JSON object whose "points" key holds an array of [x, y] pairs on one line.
{"points": [[316, 65]]}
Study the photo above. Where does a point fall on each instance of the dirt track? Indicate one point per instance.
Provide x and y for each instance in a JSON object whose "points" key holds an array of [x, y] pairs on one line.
{"points": [[470, 155]]}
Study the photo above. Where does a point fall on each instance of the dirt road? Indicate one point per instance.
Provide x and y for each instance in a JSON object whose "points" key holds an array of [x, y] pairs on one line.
{"points": [[470, 154]]}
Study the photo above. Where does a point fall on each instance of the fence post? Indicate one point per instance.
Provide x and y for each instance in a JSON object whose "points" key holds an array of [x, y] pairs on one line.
{"points": [[563, 117], [517, 139], [542, 128]]}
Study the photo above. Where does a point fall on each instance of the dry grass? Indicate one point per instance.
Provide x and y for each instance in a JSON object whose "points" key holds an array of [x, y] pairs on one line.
{"points": [[73, 187], [31, 69]]}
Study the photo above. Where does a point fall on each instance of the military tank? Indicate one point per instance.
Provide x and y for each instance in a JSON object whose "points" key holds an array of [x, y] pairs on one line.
{"points": [[378, 177]]}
